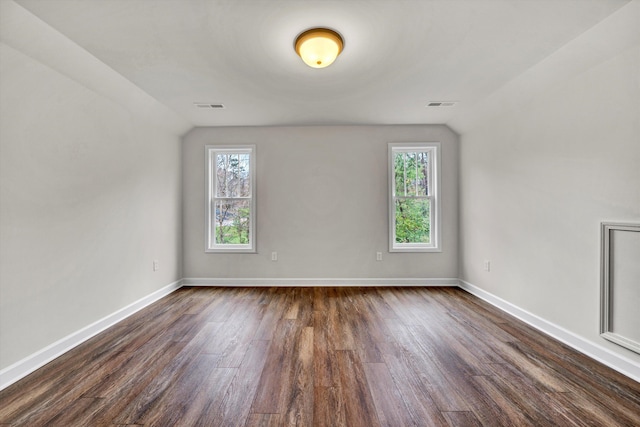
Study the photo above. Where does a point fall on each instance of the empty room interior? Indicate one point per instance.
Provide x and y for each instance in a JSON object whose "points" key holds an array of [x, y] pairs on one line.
{"points": [[433, 219]]}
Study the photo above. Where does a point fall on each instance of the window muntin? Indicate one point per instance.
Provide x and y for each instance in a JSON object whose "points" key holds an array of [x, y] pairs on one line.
{"points": [[413, 197], [230, 199]]}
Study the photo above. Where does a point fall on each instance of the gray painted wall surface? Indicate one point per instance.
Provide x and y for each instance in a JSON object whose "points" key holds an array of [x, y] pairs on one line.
{"points": [[322, 203], [89, 197], [537, 180]]}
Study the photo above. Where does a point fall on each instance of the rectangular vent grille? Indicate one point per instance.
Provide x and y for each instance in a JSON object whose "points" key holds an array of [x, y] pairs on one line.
{"points": [[442, 104], [208, 105]]}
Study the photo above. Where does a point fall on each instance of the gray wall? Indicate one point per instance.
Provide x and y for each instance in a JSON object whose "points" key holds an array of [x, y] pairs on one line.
{"points": [[322, 203], [89, 191], [539, 176]]}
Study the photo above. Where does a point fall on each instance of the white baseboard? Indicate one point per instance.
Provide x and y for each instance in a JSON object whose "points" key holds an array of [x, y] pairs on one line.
{"points": [[603, 355], [231, 282], [24, 367]]}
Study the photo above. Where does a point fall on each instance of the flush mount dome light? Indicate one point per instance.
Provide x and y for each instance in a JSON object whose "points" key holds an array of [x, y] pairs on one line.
{"points": [[319, 47]]}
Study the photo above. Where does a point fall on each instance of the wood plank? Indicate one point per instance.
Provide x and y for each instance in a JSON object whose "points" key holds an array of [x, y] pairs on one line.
{"points": [[451, 344], [141, 363], [263, 420], [151, 325], [529, 365], [293, 305], [339, 332], [417, 386], [402, 309], [52, 400], [329, 407], [324, 363], [239, 344], [462, 419], [475, 341], [320, 299], [297, 403], [582, 373], [209, 300], [365, 328], [74, 411], [381, 307], [359, 408], [207, 399], [236, 402], [580, 409], [221, 306], [473, 317], [474, 304], [494, 408], [171, 408], [127, 382], [233, 340], [306, 307], [286, 385], [413, 360], [28, 397], [322, 357], [274, 312], [518, 389], [543, 406], [184, 364], [70, 368], [390, 407], [377, 311]]}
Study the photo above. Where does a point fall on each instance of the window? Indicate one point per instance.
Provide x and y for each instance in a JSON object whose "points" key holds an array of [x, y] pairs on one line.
{"points": [[231, 208], [414, 218]]}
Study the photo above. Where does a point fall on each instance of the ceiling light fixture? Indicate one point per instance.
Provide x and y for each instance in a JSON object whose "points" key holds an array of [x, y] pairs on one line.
{"points": [[319, 47]]}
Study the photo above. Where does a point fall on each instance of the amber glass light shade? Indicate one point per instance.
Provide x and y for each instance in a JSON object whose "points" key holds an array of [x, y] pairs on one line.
{"points": [[319, 47]]}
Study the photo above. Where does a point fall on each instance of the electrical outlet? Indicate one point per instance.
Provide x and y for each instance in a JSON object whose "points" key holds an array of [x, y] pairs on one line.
{"points": [[274, 256], [487, 265], [378, 256], [156, 265]]}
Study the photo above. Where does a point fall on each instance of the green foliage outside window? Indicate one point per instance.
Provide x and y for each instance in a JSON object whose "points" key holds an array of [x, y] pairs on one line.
{"points": [[413, 223], [232, 224], [233, 210], [412, 210]]}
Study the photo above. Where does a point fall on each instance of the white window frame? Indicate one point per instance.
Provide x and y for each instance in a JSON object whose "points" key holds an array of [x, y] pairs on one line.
{"points": [[211, 151], [434, 149]]}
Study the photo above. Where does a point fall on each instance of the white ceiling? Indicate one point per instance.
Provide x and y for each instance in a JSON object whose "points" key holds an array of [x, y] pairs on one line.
{"points": [[398, 55]]}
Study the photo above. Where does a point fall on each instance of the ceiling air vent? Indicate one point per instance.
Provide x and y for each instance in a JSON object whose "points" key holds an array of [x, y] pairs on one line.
{"points": [[209, 105], [442, 103]]}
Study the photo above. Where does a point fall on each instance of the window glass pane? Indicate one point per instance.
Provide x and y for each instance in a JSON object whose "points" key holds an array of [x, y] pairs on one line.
{"points": [[232, 221], [398, 167], [410, 173], [413, 221], [233, 175], [243, 187], [222, 170], [422, 174], [233, 178]]}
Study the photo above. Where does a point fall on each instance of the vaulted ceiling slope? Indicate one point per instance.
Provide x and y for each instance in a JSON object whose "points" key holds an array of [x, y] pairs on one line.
{"points": [[398, 55]]}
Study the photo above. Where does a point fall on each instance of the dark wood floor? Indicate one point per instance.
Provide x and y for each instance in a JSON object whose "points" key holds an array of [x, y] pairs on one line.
{"points": [[322, 357]]}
